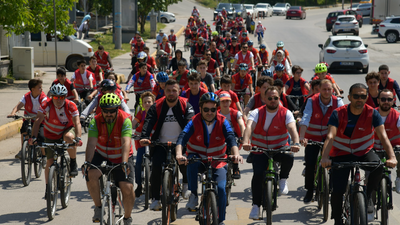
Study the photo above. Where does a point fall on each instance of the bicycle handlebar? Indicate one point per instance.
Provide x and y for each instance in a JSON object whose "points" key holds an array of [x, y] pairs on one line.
{"points": [[104, 167], [63, 145], [258, 149], [319, 143], [23, 117], [208, 159], [340, 165]]}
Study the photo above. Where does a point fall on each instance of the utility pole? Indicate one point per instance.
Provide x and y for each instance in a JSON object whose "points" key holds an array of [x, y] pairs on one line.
{"points": [[55, 31], [117, 24]]}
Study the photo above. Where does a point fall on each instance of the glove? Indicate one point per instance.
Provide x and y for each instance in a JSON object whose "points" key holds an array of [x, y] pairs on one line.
{"points": [[32, 140]]}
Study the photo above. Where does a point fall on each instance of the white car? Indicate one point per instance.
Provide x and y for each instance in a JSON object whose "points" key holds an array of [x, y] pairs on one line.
{"points": [[390, 28], [345, 52], [165, 17], [263, 10], [364, 9], [280, 8], [346, 24], [248, 8]]}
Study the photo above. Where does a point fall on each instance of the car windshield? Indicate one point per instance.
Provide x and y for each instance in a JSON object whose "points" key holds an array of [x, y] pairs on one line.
{"points": [[295, 7], [222, 5], [347, 43], [237, 6], [354, 5], [335, 14], [261, 6], [346, 19], [364, 5], [249, 7], [280, 5]]}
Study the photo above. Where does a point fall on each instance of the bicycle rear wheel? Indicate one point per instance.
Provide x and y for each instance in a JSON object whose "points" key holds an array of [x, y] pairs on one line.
{"points": [[65, 185], [146, 171], [359, 209], [38, 161], [166, 195], [210, 210], [52, 192], [107, 215], [26, 163], [384, 202], [325, 194], [268, 201]]}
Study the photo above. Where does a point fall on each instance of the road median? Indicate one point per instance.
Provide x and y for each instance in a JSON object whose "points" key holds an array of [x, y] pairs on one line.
{"points": [[10, 129]]}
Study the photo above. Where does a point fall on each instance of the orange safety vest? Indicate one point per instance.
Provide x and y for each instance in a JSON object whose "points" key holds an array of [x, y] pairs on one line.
{"points": [[28, 111], [78, 82], [236, 80], [67, 84], [199, 50], [102, 61], [165, 47], [210, 67], [392, 131], [53, 128], [255, 52], [96, 72], [284, 78], [145, 85]]}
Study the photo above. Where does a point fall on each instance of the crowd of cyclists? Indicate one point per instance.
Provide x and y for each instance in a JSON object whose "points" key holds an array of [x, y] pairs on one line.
{"points": [[228, 96]]}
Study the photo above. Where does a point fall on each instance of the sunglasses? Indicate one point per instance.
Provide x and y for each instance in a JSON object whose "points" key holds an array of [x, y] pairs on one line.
{"points": [[356, 96], [208, 54], [243, 68], [58, 97], [245, 47], [272, 98], [209, 109], [386, 99], [111, 111]]}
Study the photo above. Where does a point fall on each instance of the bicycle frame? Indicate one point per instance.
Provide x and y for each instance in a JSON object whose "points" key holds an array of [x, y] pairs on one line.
{"points": [[386, 176]]}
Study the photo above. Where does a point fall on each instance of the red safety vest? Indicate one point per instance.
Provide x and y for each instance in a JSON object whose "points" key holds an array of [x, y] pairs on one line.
{"points": [[245, 60], [138, 130], [392, 131], [235, 124], [145, 85], [78, 82], [371, 102], [318, 126], [172, 38], [211, 67], [284, 100], [192, 24], [138, 48], [165, 47], [96, 72], [67, 84], [257, 101], [236, 80], [326, 77], [109, 146], [201, 92], [277, 134], [216, 57], [137, 66], [302, 86], [362, 138], [233, 50], [285, 77], [184, 79], [390, 86], [158, 92], [217, 145], [28, 111], [264, 57], [282, 62], [102, 61], [53, 128], [199, 51], [238, 19]]}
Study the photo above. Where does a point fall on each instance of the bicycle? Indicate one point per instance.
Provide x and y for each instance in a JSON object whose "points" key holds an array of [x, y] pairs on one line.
{"points": [[260, 37], [187, 44], [86, 122], [112, 207], [207, 214], [59, 178], [29, 154], [355, 199], [270, 187], [240, 95], [321, 183]]}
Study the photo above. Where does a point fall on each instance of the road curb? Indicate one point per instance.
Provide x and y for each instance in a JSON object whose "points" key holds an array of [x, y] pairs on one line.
{"points": [[10, 129], [178, 34]]}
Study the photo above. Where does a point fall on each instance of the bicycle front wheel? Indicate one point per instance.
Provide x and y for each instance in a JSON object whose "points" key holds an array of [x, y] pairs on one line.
{"points": [[210, 210], [268, 201], [26, 163], [384, 202], [65, 186], [107, 215], [359, 209], [146, 170], [38, 161], [166, 195], [52, 192]]}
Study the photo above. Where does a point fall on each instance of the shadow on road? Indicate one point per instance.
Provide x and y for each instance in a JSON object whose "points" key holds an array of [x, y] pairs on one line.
{"points": [[26, 218], [12, 184]]}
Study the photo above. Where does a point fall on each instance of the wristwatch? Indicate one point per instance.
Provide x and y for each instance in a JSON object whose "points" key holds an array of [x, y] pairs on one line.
{"points": [[297, 144]]}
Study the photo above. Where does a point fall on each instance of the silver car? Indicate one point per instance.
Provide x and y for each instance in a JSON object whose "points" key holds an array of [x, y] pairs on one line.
{"points": [[280, 8], [364, 9], [346, 24]]}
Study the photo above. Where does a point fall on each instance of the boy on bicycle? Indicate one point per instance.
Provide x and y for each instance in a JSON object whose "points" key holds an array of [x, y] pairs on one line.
{"points": [[226, 85], [242, 82], [194, 92], [62, 79], [158, 90], [83, 80]]}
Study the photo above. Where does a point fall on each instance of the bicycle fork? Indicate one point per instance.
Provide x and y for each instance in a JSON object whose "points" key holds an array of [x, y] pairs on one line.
{"points": [[271, 175]]}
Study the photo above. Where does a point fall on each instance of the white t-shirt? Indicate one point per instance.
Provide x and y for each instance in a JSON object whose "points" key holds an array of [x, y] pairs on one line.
{"points": [[270, 116], [228, 117], [35, 102], [170, 129], [237, 55], [84, 78], [398, 120]]}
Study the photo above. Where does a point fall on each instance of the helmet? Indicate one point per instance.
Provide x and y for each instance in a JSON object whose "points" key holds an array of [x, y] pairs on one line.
{"points": [[326, 64], [194, 28], [191, 71], [162, 76], [259, 22], [219, 14], [58, 90], [172, 30], [208, 25], [214, 33], [142, 55], [109, 100], [223, 8], [280, 44], [244, 33], [320, 68], [234, 38], [263, 46], [238, 14], [191, 17], [108, 85], [243, 66], [279, 67], [209, 97], [250, 43], [267, 73], [194, 7]]}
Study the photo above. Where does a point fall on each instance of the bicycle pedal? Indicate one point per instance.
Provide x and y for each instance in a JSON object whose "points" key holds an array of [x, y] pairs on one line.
{"points": [[193, 210]]}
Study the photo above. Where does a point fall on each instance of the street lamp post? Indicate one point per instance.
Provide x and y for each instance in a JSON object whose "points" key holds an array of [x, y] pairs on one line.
{"points": [[55, 31]]}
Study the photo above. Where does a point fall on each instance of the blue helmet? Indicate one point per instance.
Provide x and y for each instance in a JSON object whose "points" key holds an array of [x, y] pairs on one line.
{"points": [[279, 67], [263, 46], [209, 97], [243, 66], [142, 55], [267, 72], [162, 77], [250, 43]]}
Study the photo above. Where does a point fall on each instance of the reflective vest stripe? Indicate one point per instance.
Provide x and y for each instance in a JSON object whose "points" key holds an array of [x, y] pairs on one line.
{"points": [[269, 138], [110, 156], [53, 126], [347, 149], [208, 150], [354, 141], [52, 131], [268, 146]]}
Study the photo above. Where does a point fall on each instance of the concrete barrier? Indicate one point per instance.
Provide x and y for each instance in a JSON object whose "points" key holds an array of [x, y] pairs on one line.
{"points": [[10, 129]]}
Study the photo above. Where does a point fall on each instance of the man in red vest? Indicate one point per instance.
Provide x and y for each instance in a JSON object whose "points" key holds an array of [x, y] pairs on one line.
{"points": [[96, 70], [350, 138], [111, 129], [208, 134], [136, 49], [243, 83], [197, 52], [194, 92], [391, 120], [297, 85], [245, 56], [103, 58], [313, 126], [388, 83], [272, 121], [181, 75], [62, 79], [212, 65]]}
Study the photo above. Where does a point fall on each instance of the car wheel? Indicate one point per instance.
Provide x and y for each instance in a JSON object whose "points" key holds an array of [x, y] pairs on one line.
{"points": [[164, 20], [356, 33], [270, 15], [333, 33], [328, 28], [71, 64], [392, 36], [365, 70], [287, 17]]}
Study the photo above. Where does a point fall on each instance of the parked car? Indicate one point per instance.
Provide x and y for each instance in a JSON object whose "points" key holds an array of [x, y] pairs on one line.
{"points": [[345, 24], [263, 10], [390, 29], [166, 17], [332, 17], [296, 11], [364, 9], [228, 7], [345, 52], [249, 8], [280, 8], [238, 8], [353, 6]]}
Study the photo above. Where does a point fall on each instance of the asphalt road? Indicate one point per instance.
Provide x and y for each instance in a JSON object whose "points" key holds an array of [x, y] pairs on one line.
{"points": [[25, 205]]}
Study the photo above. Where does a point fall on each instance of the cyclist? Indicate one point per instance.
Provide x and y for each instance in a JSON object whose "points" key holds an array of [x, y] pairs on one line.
{"points": [[388, 83], [95, 69], [223, 13], [245, 56], [279, 58], [136, 49], [212, 65], [350, 138], [150, 59], [174, 112], [316, 115], [239, 18], [195, 12], [31, 102], [158, 90], [256, 55], [230, 24], [280, 74], [62, 79], [194, 92], [61, 123], [236, 121], [192, 23], [315, 88], [197, 52], [232, 49], [284, 99], [260, 29], [263, 55], [372, 79], [297, 85], [202, 31], [391, 121], [220, 138], [111, 129], [267, 121], [188, 32], [279, 46], [242, 82], [181, 75], [209, 30], [321, 73], [141, 58], [217, 56], [166, 47], [226, 85], [205, 77], [243, 37], [172, 39], [83, 81], [259, 99], [103, 58]]}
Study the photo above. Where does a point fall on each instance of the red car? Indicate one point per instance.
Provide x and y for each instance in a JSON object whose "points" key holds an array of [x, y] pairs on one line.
{"points": [[332, 17], [296, 11]]}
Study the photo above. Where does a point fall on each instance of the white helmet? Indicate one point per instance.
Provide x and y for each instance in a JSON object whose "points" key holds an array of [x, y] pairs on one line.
{"points": [[58, 90], [259, 22]]}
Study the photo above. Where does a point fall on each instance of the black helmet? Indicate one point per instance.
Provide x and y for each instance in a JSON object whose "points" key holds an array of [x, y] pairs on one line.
{"points": [[108, 85], [234, 38], [209, 97]]}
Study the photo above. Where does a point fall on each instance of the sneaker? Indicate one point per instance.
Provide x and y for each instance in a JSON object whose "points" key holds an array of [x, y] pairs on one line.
{"points": [[128, 221], [283, 187], [18, 155], [44, 161], [138, 191], [255, 213], [73, 169], [192, 203], [185, 191], [236, 174], [97, 215], [304, 172], [371, 211], [155, 205], [397, 184], [309, 195]]}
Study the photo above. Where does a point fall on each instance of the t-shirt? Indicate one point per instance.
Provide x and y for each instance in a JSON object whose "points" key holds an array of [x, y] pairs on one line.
{"points": [[270, 116], [193, 100], [61, 114], [84, 78], [170, 129], [352, 120], [126, 128], [210, 128], [237, 55], [252, 102], [384, 120], [296, 88], [208, 80], [35, 102], [228, 117]]}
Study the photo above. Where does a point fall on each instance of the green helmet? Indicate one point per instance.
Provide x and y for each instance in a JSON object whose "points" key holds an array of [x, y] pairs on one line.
{"points": [[214, 33], [320, 68], [110, 100]]}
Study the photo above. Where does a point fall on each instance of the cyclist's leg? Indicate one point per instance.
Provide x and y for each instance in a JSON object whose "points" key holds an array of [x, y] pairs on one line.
{"points": [[286, 161], [41, 138], [192, 171], [126, 186], [138, 165], [259, 166], [159, 157], [219, 175], [69, 136], [310, 157], [375, 172], [93, 184]]}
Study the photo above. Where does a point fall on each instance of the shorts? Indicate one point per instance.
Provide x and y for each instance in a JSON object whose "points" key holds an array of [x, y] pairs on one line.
{"points": [[118, 174], [50, 152]]}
